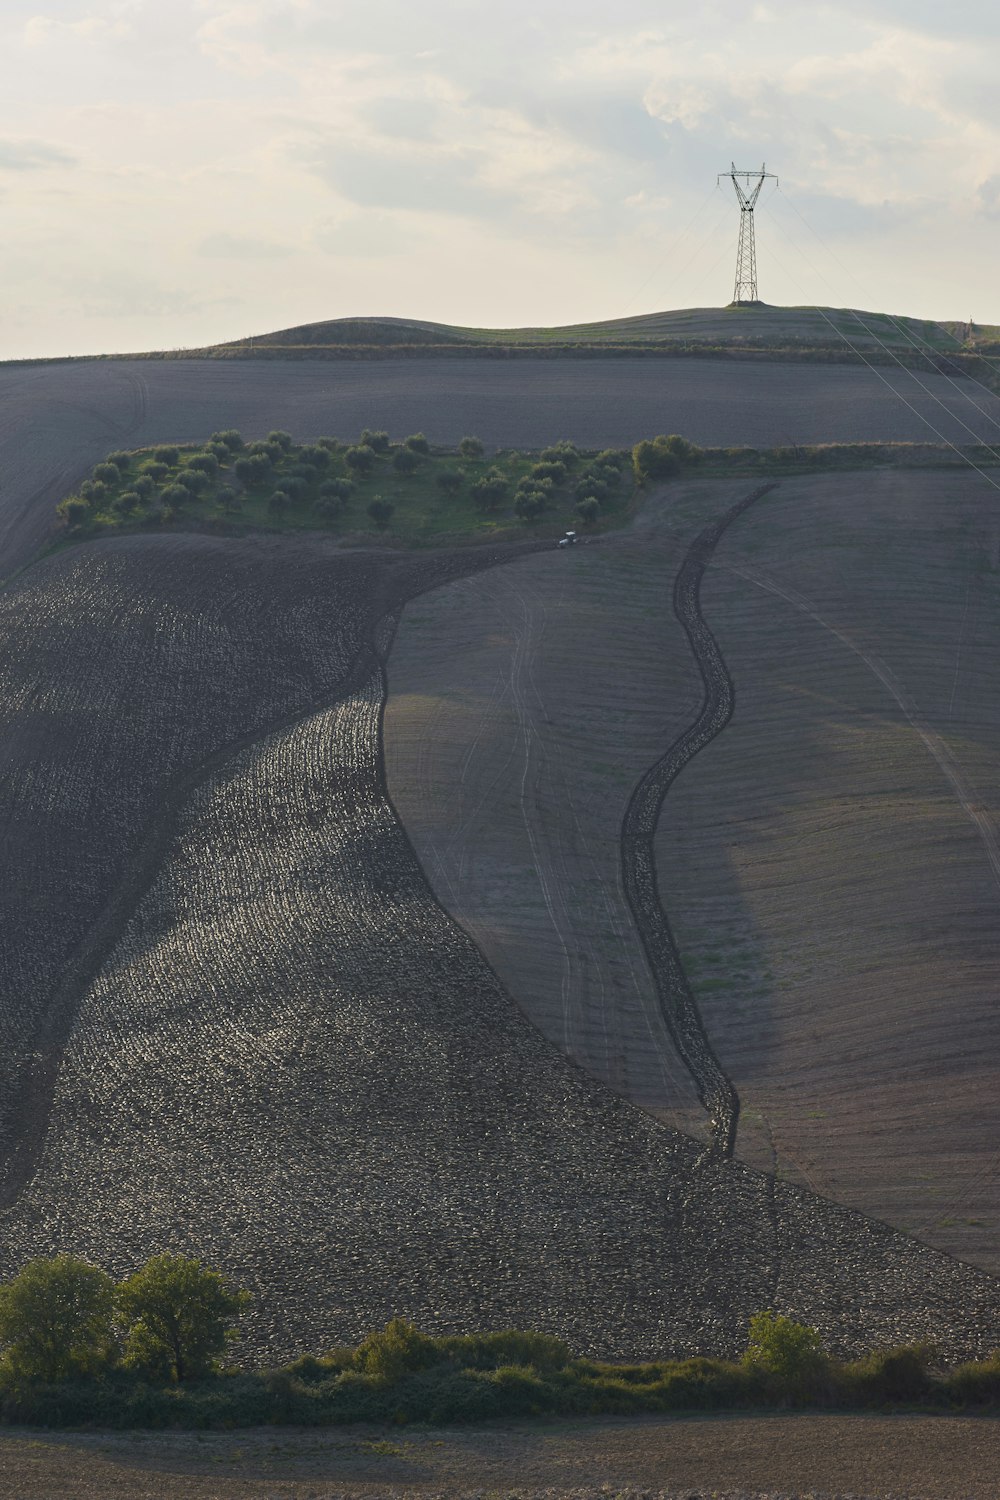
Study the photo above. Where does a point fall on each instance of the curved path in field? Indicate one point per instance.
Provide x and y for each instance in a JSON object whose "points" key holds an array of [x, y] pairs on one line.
{"points": [[58, 420], [638, 835]]}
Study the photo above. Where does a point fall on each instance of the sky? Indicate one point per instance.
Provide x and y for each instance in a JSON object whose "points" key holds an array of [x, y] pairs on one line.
{"points": [[181, 172]]}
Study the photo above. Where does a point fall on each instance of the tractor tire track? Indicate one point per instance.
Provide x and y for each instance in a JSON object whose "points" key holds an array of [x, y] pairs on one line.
{"points": [[638, 854]]}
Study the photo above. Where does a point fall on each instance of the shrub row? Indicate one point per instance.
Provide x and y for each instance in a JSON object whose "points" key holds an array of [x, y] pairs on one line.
{"points": [[399, 1374]]}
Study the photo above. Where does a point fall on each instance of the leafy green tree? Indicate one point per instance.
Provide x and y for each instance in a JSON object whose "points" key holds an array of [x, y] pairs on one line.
{"points": [[56, 1320], [381, 511], [294, 486], [107, 473], [127, 503], [450, 481], [157, 470], [121, 460], [193, 480], [252, 469], [144, 486], [93, 491], [471, 447], [396, 1350], [166, 455], [230, 437], [529, 505], [563, 452], [179, 1317], [662, 457], [282, 440], [378, 442], [417, 443], [779, 1346], [74, 510], [405, 461], [316, 455], [206, 462], [228, 498], [554, 471], [279, 502], [361, 458], [491, 489], [338, 489], [588, 509], [175, 496]]}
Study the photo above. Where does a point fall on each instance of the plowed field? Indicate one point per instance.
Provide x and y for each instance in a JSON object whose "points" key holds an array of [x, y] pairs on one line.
{"points": [[58, 420], [828, 863], [245, 1029]]}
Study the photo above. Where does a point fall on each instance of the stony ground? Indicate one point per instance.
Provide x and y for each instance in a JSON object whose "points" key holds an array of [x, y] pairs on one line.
{"points": [[728, 1458], [271, 1047]]}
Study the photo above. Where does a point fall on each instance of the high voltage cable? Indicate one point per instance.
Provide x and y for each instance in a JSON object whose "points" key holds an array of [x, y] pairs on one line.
{"points": [[888, 349], [907, 332], [898, 394], [674, 244]]}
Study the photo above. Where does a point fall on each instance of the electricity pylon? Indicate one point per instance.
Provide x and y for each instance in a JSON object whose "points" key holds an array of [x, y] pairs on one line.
{"points": [[746, 255]]}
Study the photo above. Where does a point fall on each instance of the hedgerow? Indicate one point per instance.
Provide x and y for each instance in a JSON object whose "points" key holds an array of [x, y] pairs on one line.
{"points": [[399, 1374]]}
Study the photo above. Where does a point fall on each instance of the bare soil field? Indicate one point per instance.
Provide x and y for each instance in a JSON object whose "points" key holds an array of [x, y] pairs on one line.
{"points": [[730, 1457], [248, 1032], [828, 863], [58, 420], [831, 864]]}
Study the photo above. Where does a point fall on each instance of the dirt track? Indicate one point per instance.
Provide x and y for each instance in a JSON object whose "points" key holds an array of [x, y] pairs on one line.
{"points": [[57, 420], [638, 835], [828, 864], [734, 1458]]}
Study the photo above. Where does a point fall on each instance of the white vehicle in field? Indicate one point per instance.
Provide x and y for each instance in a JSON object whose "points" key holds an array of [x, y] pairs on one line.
{"points": [[569, 540]]}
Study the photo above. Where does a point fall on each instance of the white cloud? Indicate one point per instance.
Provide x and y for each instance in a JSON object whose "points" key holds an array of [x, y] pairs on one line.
{"points": [[569, 141]]}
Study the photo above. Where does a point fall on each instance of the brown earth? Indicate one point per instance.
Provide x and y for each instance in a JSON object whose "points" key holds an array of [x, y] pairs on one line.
{"points": [[899, 1458], [829, 863], [58, 420], [832, 863], [241, 1027]]}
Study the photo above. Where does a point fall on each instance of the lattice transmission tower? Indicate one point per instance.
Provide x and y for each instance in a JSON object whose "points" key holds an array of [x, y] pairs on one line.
{"points": [[746, 255]]}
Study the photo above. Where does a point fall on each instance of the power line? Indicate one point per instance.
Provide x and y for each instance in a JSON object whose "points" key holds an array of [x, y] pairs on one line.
{"points": [[887, 349]]}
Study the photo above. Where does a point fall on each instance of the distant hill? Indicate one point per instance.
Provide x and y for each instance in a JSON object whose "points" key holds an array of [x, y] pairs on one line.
{"points": [[757, 326]]}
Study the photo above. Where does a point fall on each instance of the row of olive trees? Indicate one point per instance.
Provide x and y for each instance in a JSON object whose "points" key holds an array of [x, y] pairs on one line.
{"points": [[64, 1318]]}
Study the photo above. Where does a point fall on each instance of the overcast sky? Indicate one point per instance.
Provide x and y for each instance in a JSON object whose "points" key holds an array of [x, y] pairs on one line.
{"points": [[174, 172]]}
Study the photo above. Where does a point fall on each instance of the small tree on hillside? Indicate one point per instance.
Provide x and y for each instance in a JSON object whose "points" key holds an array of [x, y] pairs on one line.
{"points": [[790, 1351], [377, 441], [529, 505], [179, 1317], [471, 447], [56, 1320], [74, 511], [361, 460], [588, 509], [450, 481], [405, 461], [381, 511], [491, 489], [417, 443]]}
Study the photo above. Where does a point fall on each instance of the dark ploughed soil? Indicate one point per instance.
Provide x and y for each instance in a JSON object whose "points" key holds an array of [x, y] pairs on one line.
{"points": [[933, 1458]]}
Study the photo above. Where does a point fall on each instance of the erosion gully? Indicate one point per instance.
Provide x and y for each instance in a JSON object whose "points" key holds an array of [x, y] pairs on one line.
{"points": [[638, 853]]}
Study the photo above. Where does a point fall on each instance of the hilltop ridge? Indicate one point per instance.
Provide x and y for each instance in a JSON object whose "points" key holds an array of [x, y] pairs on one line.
{"points": [[758, 326]]}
